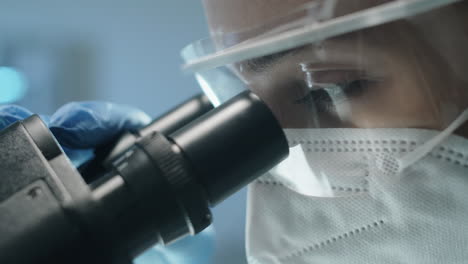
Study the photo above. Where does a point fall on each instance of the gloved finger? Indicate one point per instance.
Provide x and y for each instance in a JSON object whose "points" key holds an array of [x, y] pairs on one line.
{"points": [[198, 249], [12, 113], [45, 119], [85, 125], [76, 156]]}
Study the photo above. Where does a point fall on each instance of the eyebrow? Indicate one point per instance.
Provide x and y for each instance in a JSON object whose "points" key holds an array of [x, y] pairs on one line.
{"points": [[261, 64]]}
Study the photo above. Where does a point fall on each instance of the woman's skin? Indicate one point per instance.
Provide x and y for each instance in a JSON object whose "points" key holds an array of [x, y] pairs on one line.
{"points": [[408, 73]]}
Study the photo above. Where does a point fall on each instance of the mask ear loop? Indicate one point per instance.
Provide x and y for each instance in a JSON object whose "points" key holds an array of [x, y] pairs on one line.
{"points": [[420, 152]]}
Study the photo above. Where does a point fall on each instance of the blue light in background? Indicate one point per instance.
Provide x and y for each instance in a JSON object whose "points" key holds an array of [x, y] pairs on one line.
{"points": [[12, 85]]}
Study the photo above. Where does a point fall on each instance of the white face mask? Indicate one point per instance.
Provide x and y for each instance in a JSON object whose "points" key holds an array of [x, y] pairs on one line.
{"points": [[363, 196]]}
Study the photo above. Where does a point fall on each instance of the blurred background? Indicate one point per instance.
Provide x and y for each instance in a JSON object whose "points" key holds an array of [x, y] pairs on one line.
{"points": [[57, 51]]}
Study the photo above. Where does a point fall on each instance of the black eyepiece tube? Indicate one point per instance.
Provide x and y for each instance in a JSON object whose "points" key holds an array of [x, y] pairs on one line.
{"points": [[179, 116], [167, 123], [231, 146]]}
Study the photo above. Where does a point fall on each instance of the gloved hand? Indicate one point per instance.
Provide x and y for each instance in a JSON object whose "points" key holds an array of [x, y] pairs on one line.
{"points": [[79, 128]]}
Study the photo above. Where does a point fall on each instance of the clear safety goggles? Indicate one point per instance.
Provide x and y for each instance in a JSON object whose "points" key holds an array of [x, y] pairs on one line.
{"points": [[391, 64]]}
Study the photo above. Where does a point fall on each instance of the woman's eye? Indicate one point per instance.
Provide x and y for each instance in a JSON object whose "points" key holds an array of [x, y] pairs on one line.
{"points": [[325, 97], [314, 96], [355, 88]]}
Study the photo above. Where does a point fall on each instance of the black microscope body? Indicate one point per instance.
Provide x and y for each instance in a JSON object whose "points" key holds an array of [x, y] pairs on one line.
{"points": [[151, 186]]}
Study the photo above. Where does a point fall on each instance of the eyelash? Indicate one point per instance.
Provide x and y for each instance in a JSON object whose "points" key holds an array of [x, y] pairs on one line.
{"points": [[321, 99]]}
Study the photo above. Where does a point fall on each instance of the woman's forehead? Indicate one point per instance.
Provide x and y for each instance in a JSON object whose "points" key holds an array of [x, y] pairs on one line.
{"points": [[227, 16]]}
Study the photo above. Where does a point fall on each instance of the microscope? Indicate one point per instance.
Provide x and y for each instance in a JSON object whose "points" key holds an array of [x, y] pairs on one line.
{"points": [[154, 185]]}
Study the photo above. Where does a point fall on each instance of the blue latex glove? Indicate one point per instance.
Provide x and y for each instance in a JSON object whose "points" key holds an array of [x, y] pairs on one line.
{"points": [[79, 128]]}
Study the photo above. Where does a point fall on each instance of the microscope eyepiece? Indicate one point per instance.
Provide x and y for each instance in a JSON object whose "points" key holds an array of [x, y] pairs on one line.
{"points": [[231, 146], [176, 178]]}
